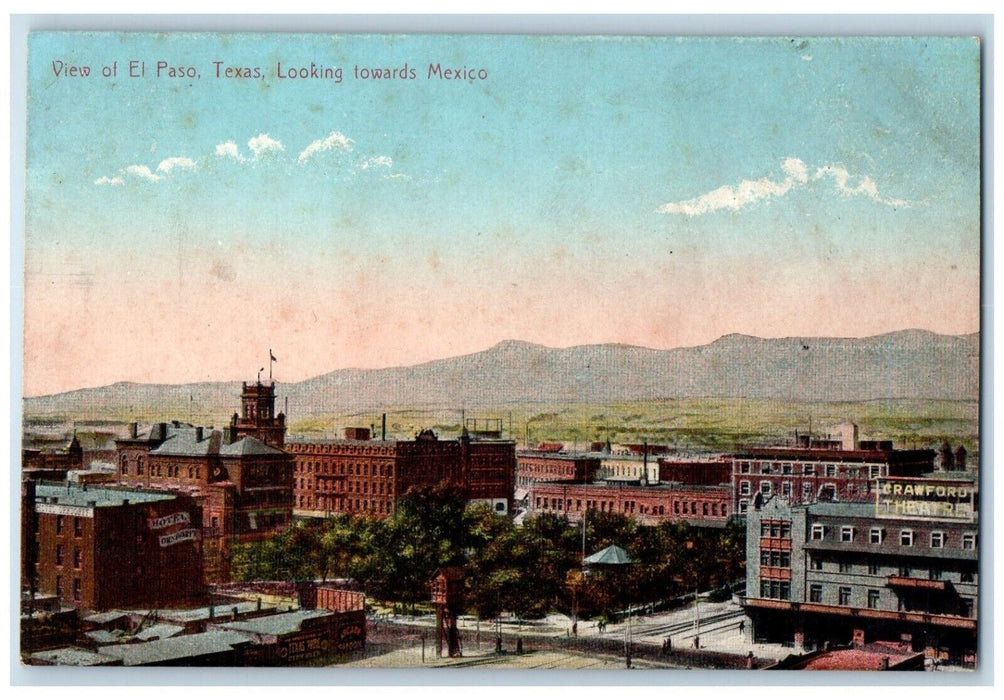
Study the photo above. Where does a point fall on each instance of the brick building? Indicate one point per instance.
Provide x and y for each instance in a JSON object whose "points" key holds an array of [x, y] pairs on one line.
{"points": [[50, 458], [701, 506], [368, 476], [243, 484], [901, 567], [101, 548], [533, 466], [698, 472], [832, 470]]}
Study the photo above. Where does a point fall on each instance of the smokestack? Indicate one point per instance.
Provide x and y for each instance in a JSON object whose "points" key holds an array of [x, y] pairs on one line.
{"points": [[383, 427]]}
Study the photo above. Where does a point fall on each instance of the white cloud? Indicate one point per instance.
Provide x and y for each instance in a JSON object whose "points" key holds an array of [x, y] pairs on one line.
{"points": [[228, 149], [143, 172], [104, 180], [750, 191], [263, 145], [335, 139], [169, 164], [377, 161], [865, 186]]}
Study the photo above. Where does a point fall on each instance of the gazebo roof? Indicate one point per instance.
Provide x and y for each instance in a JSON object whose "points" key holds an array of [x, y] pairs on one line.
{"points": [[611, 555]]}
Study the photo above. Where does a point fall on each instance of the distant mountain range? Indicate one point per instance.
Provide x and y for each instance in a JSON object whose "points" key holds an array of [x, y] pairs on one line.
{"points": [[911, 364]]}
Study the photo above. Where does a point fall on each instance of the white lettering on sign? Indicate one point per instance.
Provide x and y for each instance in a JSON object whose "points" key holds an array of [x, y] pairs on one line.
{"points": [[56, 509], [168, 520], [179, 536], [925, 499]]}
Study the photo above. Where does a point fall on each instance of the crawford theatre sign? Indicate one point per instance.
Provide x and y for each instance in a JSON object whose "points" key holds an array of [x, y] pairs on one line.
{"points": [[925, 499]]}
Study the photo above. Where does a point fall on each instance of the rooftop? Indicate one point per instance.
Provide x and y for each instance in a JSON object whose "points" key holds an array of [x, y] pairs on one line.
{"points": [[85, 496], [72, 656], [174, 648], [274, 625]]}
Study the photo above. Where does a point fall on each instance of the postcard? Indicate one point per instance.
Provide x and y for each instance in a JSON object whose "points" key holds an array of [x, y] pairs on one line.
{"points": [[374, 351]]}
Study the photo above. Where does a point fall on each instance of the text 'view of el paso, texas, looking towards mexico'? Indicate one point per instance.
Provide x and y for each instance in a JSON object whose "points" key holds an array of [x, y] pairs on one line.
{"points": [[501, 352]]}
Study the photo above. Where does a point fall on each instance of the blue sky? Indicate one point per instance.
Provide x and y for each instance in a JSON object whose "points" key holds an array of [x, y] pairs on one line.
{"points": [[659, 192]]}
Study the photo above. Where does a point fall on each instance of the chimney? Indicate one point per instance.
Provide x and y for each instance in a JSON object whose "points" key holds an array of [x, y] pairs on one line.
{"points": [[884, 664], [212, 612], [133, 430], [198, 434], [383, 427], [125, 501]]}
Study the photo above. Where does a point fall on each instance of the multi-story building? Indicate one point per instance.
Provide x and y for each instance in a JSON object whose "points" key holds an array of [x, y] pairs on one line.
{"points": [[102, 548], [243, 484], [701, 506], [368, 476], [901, 567], [533, 466], [841, 469]]}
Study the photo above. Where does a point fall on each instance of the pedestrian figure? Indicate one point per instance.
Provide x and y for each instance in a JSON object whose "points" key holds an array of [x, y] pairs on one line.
{"points": [[575, 629], [742, 627], [697, 642]]}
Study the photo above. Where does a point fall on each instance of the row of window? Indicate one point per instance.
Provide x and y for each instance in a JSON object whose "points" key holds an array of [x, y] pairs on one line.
{"points": [[967, 574], [76, 588], [776, 528], [907, 538], [78, 529], [77, 556], [349, 487], [679, 507], [789, 468], [172, 470], [345, 504], [787, 489], [776, 558], [359, 469]]}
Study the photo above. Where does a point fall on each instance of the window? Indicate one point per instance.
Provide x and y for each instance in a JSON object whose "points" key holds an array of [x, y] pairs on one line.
{"points": [[786, 489], [77, 528], [966, 607], [875, 535], [744, 467], [873, 599], [744, 488], [969, 540], [59, 555], [809, 469], [831, 470], [937, 540], [845, 566], [905, 571], [874, 568], [967, 574], [906, 538], [844, 595], [806, 492], [76, 589], [816, 593], [874, 471], [786, 468], [816, 564], [59, 586], [934, 574], [744, 506], [785, 560], [765, 488], [846, 533], [76, 558], [817, 532], [124, 465], [59, 524], [785, 529]]}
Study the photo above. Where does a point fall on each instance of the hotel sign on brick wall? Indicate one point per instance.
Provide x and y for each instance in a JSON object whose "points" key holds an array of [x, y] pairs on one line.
{"points": [[925, 499]]}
